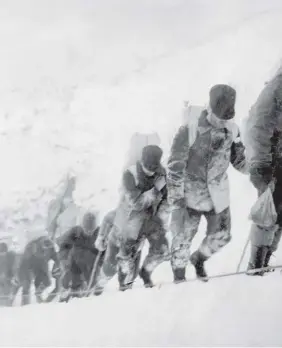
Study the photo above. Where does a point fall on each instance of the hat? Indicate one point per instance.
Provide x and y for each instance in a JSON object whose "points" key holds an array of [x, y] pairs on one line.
{"points": [[222, 101], [89, 222], [151, 157]]}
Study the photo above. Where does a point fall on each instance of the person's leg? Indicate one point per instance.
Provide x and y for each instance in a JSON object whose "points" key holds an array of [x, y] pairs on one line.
{"points": [[158, 249], [128, 253], [277, 197], [108, 268], [184, 226], [217, 236], [41, 280]]}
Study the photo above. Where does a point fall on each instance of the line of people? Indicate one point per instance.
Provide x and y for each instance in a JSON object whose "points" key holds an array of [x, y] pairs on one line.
{"points": [[155, 200]]}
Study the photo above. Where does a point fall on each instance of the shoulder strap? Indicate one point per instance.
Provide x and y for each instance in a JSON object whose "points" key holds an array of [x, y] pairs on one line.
{"points": [[191, 116], [133, 170]]}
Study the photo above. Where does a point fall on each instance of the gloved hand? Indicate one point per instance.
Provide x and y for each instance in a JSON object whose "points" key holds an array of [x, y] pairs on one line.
{"points": [[151, 195], [261, 177], [160, 183], [100, 244]]}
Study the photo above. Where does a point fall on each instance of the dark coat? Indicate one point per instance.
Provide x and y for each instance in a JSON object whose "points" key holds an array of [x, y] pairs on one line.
{"points": [[264, 134], [139, 200], [77, 255]]}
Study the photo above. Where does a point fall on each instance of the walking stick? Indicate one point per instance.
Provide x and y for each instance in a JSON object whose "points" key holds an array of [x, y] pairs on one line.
{"points": [[94, 269], [243, 253]]}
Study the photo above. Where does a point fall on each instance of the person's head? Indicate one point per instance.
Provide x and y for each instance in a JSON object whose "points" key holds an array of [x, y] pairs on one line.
{"points": [[46, 247], [222, 104], [89, 222], [151, 159]]}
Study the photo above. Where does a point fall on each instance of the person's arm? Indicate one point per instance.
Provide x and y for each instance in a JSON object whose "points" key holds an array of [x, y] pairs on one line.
{"points": [[237, 157], [134, 196], [101, 241], [177, 164], [260, 137]]}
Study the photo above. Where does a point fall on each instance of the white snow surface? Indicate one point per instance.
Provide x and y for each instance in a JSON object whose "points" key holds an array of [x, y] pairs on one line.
{"points": [[224, 312], [78, 78]]}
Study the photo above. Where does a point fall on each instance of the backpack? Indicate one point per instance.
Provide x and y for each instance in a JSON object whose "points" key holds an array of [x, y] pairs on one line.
{"points": [[137, 142], [190, 118]]}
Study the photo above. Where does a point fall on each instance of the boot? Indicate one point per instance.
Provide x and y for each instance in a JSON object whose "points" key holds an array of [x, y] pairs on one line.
{"points": [[25, 299], [257, 259], [38, 293], [121, 278], [267, 259], [98, 290], [124, 287], [198, 259], [99, 287], [101, 282], [146, 277], [77, 292], [267, 256], [64, 295], [39, 299], [179, 275]]}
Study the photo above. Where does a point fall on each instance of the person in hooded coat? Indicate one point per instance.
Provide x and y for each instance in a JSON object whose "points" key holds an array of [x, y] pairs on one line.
{"points": [[264, 152], [142, 213], [77, 255], [198, 184], [34, 269], [9, 262]]}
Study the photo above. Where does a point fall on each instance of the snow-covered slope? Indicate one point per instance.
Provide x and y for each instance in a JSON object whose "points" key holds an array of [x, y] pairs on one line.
{"points": [[78, 78], [237, 311]]}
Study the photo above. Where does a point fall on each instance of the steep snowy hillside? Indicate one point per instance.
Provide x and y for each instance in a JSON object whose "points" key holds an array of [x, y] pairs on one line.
{"points": [[78, 77]]}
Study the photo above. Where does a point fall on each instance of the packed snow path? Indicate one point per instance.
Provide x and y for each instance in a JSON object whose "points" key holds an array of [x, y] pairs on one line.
{"points": [[241, 310]]}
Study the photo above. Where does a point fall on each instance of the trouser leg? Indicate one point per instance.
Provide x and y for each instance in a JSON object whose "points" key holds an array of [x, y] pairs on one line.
{"points": [[217, 236], [184, 226], [158, 249], [108, 268]]}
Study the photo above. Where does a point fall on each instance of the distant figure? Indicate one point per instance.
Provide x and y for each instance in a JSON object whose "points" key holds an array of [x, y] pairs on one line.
{"points": [[62, 211], [77, 255], [34, 269], [9, 263]]}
